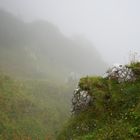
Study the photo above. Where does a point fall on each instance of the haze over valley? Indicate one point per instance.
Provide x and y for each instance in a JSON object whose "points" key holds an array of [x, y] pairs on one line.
{"points": [[58, 80], [40, 49]]}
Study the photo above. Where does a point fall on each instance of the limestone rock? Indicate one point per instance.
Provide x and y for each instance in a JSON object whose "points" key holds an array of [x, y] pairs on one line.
{"points": [[121, 73], [80, 100]]}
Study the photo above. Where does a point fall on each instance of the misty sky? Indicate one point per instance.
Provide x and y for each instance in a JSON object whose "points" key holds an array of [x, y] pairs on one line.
{"points": [[112, 25]]}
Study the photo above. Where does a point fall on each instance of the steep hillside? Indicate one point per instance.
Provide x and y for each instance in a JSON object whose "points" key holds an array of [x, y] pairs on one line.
{"points": [[106, 108], [32, 109], [40, 50]]}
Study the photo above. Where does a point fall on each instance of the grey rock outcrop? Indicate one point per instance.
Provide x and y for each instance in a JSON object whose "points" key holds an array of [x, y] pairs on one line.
{"points": [[121, 73], [80, 101]]}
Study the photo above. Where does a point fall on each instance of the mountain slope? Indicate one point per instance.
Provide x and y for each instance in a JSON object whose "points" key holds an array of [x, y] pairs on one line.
{"points": [[32, 109], [39, 49]]}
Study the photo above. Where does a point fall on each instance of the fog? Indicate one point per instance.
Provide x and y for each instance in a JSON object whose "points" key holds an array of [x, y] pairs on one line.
{"points": [[111, 25], [46, 46]]}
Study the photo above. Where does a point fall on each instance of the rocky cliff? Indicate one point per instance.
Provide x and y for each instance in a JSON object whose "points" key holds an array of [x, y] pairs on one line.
{"points": [[106, 107]]}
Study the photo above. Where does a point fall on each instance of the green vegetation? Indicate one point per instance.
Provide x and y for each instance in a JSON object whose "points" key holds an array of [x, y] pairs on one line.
{"points": [[114, 113], [35, 97], [42, 66], [32, 109]]}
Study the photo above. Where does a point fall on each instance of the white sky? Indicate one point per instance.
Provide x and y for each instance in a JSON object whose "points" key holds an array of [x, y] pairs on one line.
{"points": [[112, 25]]}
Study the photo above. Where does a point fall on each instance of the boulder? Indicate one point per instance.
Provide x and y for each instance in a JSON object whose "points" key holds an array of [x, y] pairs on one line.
{"points": [[120, 72], [80, 101]]}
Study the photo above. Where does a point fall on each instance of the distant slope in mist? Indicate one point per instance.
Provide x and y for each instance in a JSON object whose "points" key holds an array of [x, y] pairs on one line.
{"points": [[39, 49]]}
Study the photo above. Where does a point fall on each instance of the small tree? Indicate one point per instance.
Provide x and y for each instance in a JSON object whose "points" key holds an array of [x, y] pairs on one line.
{"points": [[134, 57]]}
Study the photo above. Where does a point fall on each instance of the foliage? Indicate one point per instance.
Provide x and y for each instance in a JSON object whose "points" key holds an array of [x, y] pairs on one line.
{"points": [[32, 109], [136, 69], [114, 113]]}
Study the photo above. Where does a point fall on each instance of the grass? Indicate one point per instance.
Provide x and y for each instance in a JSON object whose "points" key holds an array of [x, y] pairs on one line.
{"points": [[114, 113], [32, 109]]}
